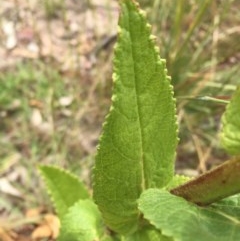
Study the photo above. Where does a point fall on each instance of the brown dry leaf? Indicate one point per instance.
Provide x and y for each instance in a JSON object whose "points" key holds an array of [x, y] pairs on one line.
{"points": [[36, 103], [34, 212], [7, 235], [48, 229], [25, 53], [54, 224], [43, 231], [7, 187]]}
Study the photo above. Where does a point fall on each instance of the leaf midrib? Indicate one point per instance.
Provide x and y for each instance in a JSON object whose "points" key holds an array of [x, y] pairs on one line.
{"points": [[144, 182]]}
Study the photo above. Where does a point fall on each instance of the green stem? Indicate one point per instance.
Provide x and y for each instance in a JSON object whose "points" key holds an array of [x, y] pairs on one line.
{"points": [[216, 184], [205, 98]]}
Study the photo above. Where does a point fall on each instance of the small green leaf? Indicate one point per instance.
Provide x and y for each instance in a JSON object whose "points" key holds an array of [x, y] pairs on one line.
{"points": [[137, 147], [185, 221], [177, 181], [64, 188], [82, 223], [230, 134]]}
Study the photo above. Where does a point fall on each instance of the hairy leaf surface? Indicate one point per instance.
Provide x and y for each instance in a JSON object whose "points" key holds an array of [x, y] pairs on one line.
{"points": [[147, 234], [82, 222], [64, 188], [184, 221], [230, 135], [137, 147]]}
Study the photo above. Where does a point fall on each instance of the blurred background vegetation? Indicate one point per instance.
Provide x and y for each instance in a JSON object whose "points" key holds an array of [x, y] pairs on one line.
{"points": [[55, 84]]}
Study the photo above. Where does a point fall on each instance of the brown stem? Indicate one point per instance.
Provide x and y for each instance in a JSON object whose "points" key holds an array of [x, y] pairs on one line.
{"points": [[216, 184]]}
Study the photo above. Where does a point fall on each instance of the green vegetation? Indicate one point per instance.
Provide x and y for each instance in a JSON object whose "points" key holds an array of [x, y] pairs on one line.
{"points": [[51, 7], [135, 192], [198, 41], [52, 106]]}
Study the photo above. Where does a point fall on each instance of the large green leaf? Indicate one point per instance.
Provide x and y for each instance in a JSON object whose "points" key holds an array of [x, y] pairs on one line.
{"points": [[230, 135], [137, 147], [147, 234], [184, 221], [64, 188], [82, 223]]}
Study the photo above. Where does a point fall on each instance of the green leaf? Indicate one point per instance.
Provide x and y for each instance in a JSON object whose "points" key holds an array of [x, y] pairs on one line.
{"points": [[137, 147], [64, 188], [176, 181], [230, 134], [82, 223], [111, 238], [147, 234], [184, 221]]}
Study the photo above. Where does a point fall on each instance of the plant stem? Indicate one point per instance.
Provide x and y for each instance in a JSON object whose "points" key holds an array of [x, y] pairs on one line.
{"points": [[218, 100], [216, 184]]}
